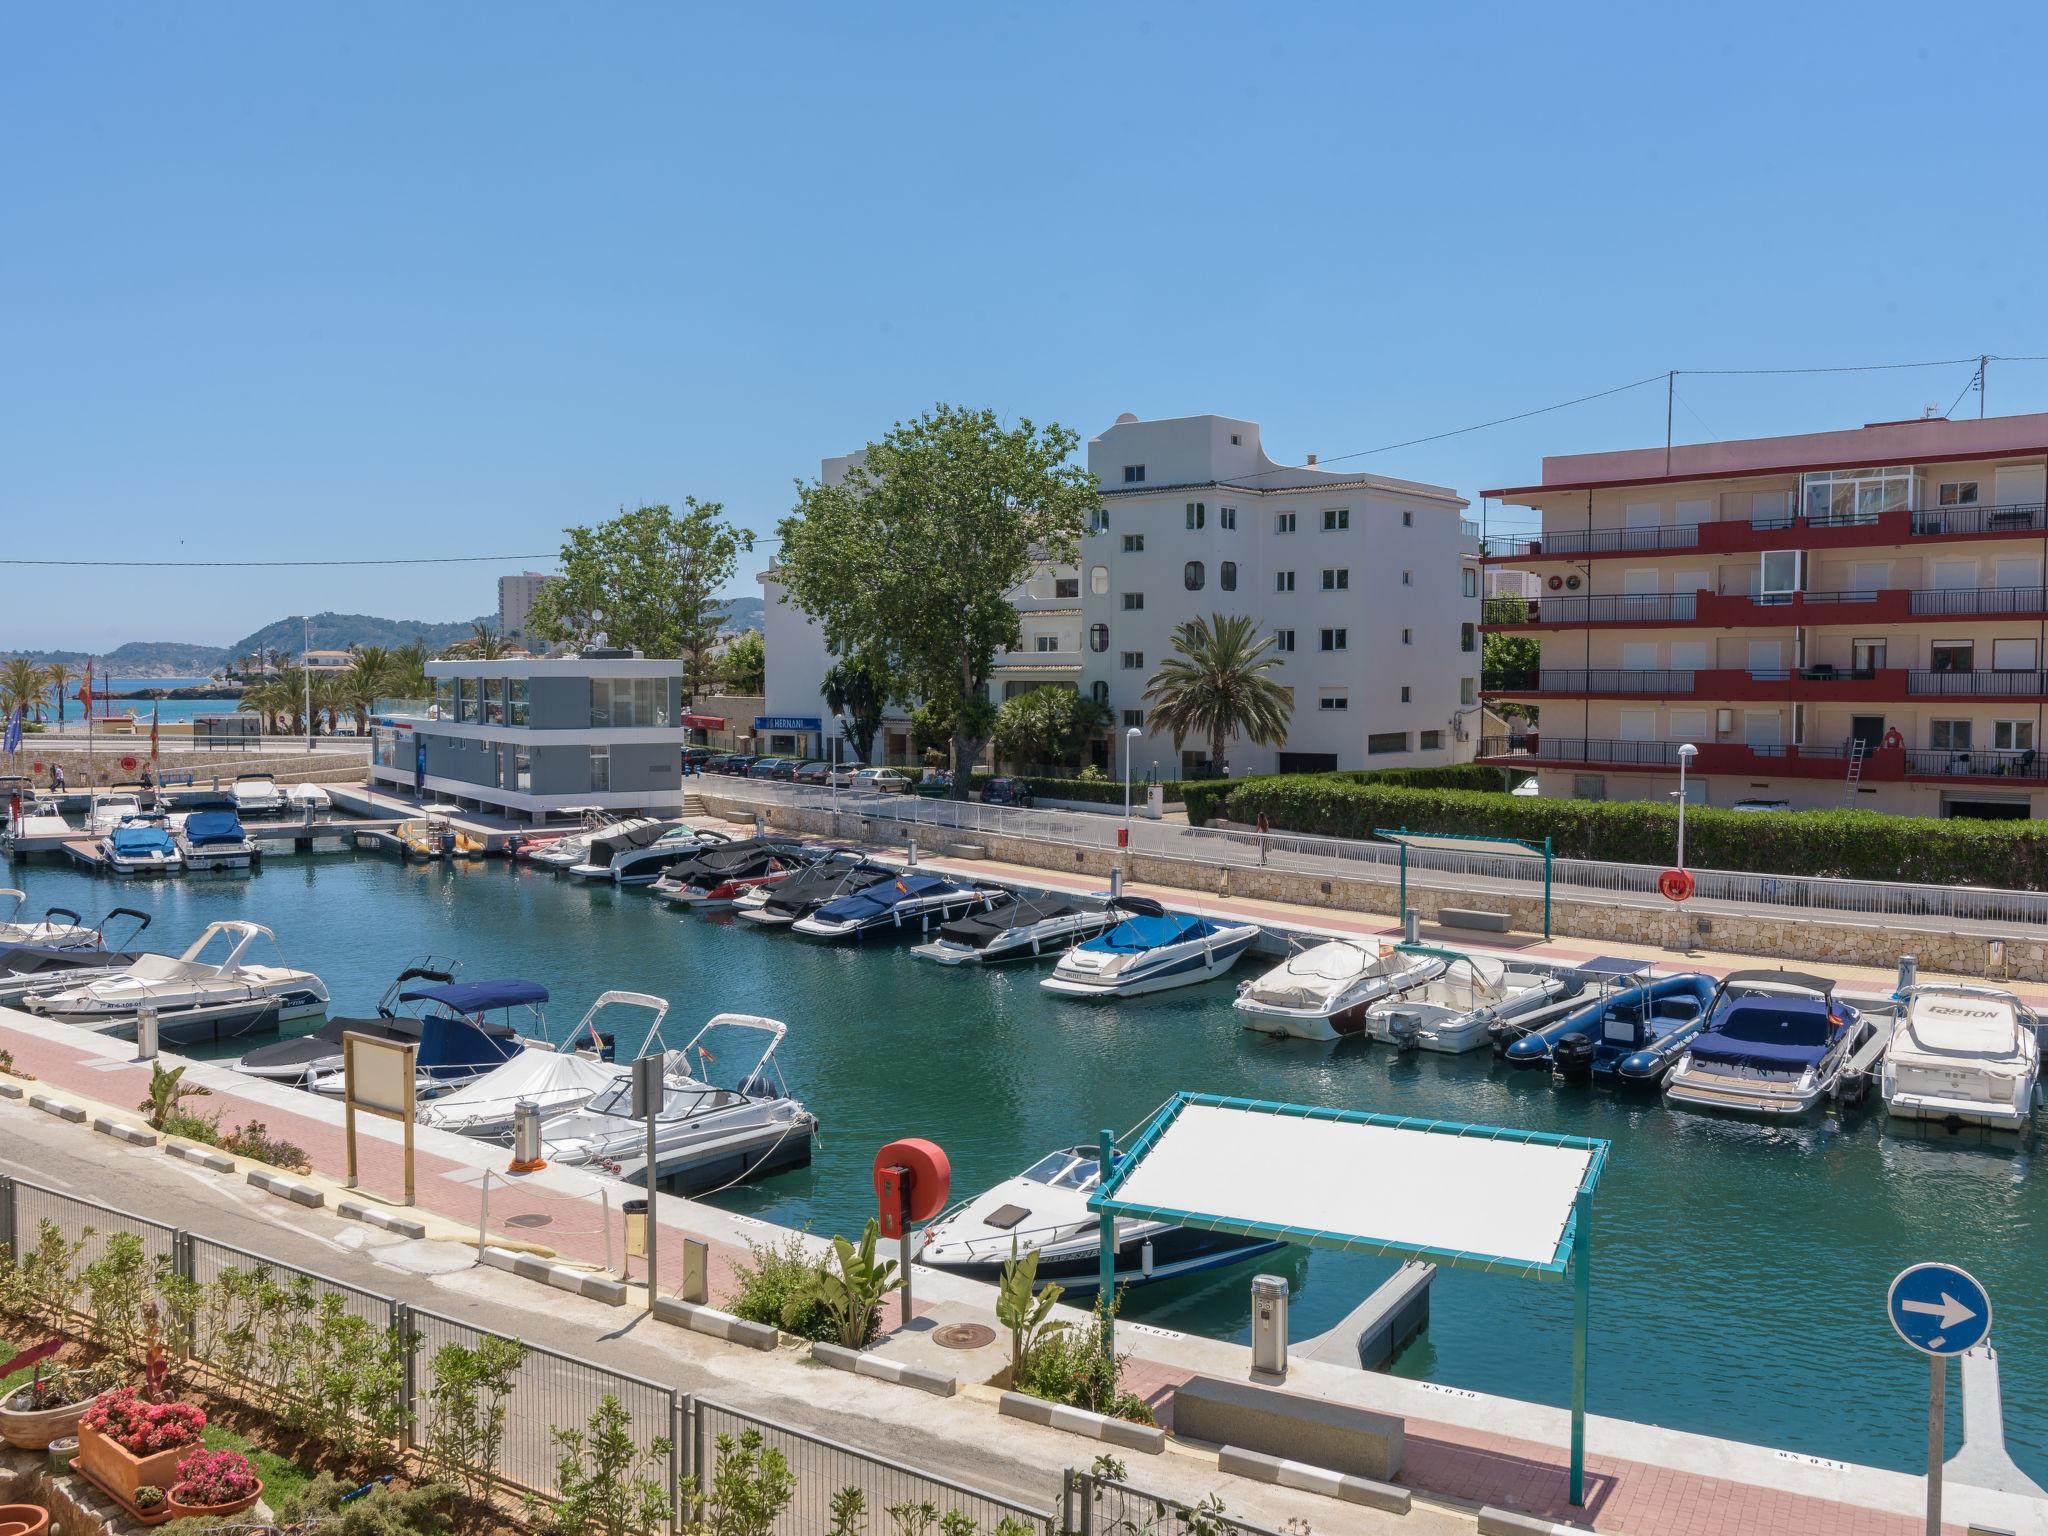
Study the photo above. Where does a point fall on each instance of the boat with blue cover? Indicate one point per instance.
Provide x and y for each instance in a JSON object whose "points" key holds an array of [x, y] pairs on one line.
{"points": [[473, 1032], [1627, 1036], [215, 840], [142, 845], [1778, 1045], [910, 904], [1151, 954]]}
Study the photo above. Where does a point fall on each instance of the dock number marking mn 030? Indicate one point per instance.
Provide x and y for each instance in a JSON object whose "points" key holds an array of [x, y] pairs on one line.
{"points": [[1939, 1309]]}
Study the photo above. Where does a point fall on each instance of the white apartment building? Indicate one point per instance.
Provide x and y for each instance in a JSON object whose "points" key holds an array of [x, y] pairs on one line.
{"points": [[1370, 586], [515, 602]]}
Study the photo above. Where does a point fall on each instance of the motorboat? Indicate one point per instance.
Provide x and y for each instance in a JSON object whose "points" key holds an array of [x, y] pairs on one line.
{"points": [[1629, 1036], [424, 837], [215, 840], [705, 1135], [1151, 954], [142, 845], [648, 864], [297, 1060], [257, 794], [716, 877], [1453, 1011], [1023, 925], [1777, 1046], [1605, 973], [555, 1080], [911, 903], [837, 874], [642, 832], [478, 1026], [108, 811], [1044, 1210], [1962, 1054], [75, 955], [1325, 991], [40, 828], [301, 798], [547, 845], [193, 998], [58, 925]]}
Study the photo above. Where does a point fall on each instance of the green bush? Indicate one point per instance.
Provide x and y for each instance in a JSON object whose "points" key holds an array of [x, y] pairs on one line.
{"points": [[1102, 791], [778, 1287]]}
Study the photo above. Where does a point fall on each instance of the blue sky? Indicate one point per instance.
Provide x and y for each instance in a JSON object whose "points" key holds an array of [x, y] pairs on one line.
{"points": [[321, 280]]}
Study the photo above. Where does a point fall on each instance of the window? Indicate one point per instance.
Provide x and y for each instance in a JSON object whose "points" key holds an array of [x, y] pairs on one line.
{"points": [[1336, 519], [1283, 522], [1133, 601], [1226, 575], [1407, 578], [493, 702], [1098, 520], [1192, 576], [2012, 655], [1134, 661], [1098, 637], [465, 699], [1134, 543], [1336, 578], [1337, 640], [1098, 580], [1856, 495], [1047, 643], [1333, 699], [1959, 493], [1283, 639], [1866, 655], [1134, 474], [515, 692], [1948, 735], [627, 702], [1198, 513], [1408, 521], [1471, 582], [1468, 690], [2012, 735], [1780, 573], [1386, 741], [1432, 741], [601, 768], [522, 770], [1951, 656], [1099, 691], [1067, 586], [1283, 581], [1467, 637], [1134, 717], [1237, 439], [1406, 697], [1407, 637], [1226, 517]]}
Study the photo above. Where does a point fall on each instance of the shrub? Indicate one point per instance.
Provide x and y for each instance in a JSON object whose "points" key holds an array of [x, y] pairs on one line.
{"points": [[466, 1411], [207, 1478], [1071, 1366], [144, 1428], [751, 1485], [386, 1510], [254, 1140], [778, 1286], [851, 1288], [609, 1485]]}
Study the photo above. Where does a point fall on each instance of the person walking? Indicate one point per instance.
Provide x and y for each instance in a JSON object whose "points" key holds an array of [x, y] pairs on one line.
{"points": [[57, 777], [1264, 827]]}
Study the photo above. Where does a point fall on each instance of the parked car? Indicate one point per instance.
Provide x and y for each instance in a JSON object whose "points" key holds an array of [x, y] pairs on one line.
{"points": [[785, 768], [1761, 805], [739, 764], [843, 774], [697, 757], [812, 772], [764, 768], [1005, 792], [936, 782], [883, 781]]}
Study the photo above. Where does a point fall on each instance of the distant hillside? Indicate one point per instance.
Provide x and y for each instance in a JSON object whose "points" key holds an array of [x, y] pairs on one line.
{"points": [[339, 631], [745, 612], [139, 658]]}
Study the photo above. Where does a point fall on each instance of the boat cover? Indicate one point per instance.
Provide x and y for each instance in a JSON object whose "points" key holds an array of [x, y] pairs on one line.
{"points": [[1137, 934], [138, 842], [1008, 912], [208, 827], [1769, 1032], [881, 898], [479, 996], [824, 881], [547, 1078], [1944, 1028], [325, 1042], [448, 1044], [42, 959], [1315, 975]]}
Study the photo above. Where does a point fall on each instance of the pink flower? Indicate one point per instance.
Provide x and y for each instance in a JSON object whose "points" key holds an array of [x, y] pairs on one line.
{"points": [[144, 1428], [207, 1479]]}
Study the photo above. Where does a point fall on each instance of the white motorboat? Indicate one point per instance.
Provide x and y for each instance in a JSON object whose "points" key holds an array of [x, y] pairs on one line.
{"points": [[58, 925], [1151, 954], [780, 904], [215, 840], [1025, 925], [108, 811], [1044, 1210], [705, 1135], [142, 845], [911, 903], [1323, 992], [194, 998], [308, 797], [646, 864], [554, 1080], [70, 956], [257, 794], [639, 832], [1455, 1010], [566, 853], [1963, 1055]]}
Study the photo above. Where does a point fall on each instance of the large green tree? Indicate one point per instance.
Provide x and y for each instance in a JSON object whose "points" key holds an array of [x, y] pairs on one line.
{"points": [[856, 689], [746, 664], [647, 579], [1507, 661], [1049, 726], [1215, 686], [910, 560]]}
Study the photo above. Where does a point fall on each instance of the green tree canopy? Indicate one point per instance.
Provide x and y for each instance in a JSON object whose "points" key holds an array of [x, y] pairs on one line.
{"points": [[1049, 726], [647, 579], [1215, 686], [746, 664], [1507, 660], [910, 560]]}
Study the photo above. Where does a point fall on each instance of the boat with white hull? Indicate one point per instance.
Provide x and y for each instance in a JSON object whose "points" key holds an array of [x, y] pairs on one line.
{"points": [[715, 878], [142, 845], [625, 838], [77, 955], [1021, 925], [646, 865], [1044, 1210], [1776, 1047], [194, 998], [57, 925], [1151, 954], [574, 848], [555, 1080], [106, 812], [1455, 1010], [215, 840], [840, 873], [909, 904], [257, 794], [1325, 992], [1962, 1055]]}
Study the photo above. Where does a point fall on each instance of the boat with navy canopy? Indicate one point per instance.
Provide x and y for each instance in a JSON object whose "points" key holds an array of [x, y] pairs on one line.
{"points": [[215, 839], [1452, 1011], [1151, 954], [1325, 992], [142, 845], [841, 872], [911, 903], [1962, 1054], [1028, 925], [298, 1060], [76, 955], [194, 998], [475, 1026], [1044, 1210], [1627, 1035], [1776, 1047]]}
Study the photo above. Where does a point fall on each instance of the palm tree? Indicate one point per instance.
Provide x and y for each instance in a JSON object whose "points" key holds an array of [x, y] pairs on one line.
{"points": [[330, 697], [21, 686], [408, 673], [484, 643], [58, 676], [364, 683], [1215, 686]]}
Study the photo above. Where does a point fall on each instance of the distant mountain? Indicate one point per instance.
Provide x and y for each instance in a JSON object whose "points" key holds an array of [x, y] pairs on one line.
{"points": [[744, 612], [339, 631], [138, 658]]}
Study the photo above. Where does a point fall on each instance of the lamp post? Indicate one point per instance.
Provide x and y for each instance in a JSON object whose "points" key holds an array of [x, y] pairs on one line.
{"points": [[1686, 754], [839, 724], [306, 669], [1130, 746]]}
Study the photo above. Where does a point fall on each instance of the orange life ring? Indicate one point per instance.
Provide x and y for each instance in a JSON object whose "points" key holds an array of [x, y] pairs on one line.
{"points": [[1675, 884], [931, 1179]]}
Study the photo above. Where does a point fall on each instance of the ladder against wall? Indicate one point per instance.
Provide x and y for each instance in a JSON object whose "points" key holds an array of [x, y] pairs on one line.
{"points": [[1857, 747]]}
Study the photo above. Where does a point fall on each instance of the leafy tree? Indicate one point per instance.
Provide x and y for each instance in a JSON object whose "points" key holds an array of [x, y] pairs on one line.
{"points": [[58, 675], [931, 729], [910, 560], [746, 664], [858, 688], [1215, 686], [1049, 725], [1505, 660], [610, 1485], [653, 574], [365, 682], [21, 684]]}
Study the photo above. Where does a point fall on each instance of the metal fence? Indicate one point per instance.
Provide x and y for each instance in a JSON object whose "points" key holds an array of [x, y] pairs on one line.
{"points": [[1093, 1505]]}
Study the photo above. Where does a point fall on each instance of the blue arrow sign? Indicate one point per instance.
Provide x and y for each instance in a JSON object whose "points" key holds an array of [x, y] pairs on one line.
{"points": [[1939, 1309]]}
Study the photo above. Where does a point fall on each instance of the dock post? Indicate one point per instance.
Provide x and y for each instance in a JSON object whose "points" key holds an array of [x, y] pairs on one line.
{"points": [[1582, 1307]]}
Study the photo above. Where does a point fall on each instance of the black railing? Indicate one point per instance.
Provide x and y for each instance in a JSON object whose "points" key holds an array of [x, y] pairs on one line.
{"points": [[1928, 522], [1967, 762], [2013, 517], [1582, 749], [1614, 608], [1582, 541], [1978, 685], [1954, 601], [1652, 680]]}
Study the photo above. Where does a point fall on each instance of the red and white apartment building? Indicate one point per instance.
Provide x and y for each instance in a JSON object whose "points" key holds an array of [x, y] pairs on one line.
{"points": [[1852, 618]]}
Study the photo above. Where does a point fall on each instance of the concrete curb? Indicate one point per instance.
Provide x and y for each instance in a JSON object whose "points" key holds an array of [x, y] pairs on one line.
{"points": [[120, 1130], [294, 1190], [192, 1152], [597, 1287], [1512, 1522], [11, 1090], [861, 1363], [63, 1111], [1079, 1421], [722, 1325], [404, 1226], [1299, 1474]]}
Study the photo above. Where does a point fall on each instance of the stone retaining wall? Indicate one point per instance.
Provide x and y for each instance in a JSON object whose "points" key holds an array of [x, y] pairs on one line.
{"points": [[300, 767]]}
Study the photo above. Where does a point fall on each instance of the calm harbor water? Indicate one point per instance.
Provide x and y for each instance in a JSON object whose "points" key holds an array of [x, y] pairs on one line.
{"points": [[1739, 1271]]}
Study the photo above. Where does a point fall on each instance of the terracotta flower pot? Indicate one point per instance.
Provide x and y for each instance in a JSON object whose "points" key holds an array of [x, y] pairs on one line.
{"points": [[207, 1511], [23, 1520], [33, 1431], [120, 1471]]}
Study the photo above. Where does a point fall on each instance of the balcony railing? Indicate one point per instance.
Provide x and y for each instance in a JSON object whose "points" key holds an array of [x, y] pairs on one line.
{"points": [[1881, 765], [1950, 522], [1967, 763], [1585, 541], [1574, 680], [1582, 749], [2023, 684], [2014, 518], [1616, 608], [1949, 603]]}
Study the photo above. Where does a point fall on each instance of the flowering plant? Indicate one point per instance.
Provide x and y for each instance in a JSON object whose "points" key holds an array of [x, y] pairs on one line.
{"points": [[143, 1428], [207, 1479]]}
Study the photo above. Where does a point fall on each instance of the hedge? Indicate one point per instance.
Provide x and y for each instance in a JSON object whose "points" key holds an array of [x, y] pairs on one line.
{"points": [[1862, 845], [1096, 791]]}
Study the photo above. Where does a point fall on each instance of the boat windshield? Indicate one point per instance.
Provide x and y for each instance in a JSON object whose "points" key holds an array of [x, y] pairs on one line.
{"points": [[1048, 1169], [1063, 1170]]}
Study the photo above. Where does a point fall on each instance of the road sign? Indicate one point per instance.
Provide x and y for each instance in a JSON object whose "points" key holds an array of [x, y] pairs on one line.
{"points": [[1940, 1309]]}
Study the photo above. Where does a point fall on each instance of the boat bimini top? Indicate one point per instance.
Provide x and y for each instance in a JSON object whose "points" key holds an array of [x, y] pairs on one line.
{"points": [[1772, 1020]]}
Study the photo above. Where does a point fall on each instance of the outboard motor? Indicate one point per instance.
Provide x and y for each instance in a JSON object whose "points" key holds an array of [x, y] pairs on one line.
{"points": [[1572, 1057], [1404, 1029]]}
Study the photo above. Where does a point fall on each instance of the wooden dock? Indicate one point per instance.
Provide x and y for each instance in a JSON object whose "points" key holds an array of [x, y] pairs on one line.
{"points": [[274, 839]]}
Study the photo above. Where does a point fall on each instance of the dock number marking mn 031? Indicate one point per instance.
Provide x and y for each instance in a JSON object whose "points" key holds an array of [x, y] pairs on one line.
{"points": [[1939, 1309]]}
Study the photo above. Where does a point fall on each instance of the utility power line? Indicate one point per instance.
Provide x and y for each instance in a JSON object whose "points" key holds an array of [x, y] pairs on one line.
{"points": [[274, 564]]}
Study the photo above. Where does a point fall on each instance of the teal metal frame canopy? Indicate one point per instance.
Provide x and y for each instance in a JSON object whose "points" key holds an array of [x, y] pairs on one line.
{"points": [[1512, 847], [1565, 1198]]}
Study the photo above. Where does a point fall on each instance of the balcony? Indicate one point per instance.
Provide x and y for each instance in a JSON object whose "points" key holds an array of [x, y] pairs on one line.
{"points": [[1818, 684], [1981, 684], [1717, 610], [1030, 661], [1738, 536], [1882, 765]]}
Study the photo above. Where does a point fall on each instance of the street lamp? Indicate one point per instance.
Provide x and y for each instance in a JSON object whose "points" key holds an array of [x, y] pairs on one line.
{"points": [[832, 777], [1130, 745], [1686, 754], [306, 669]]}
